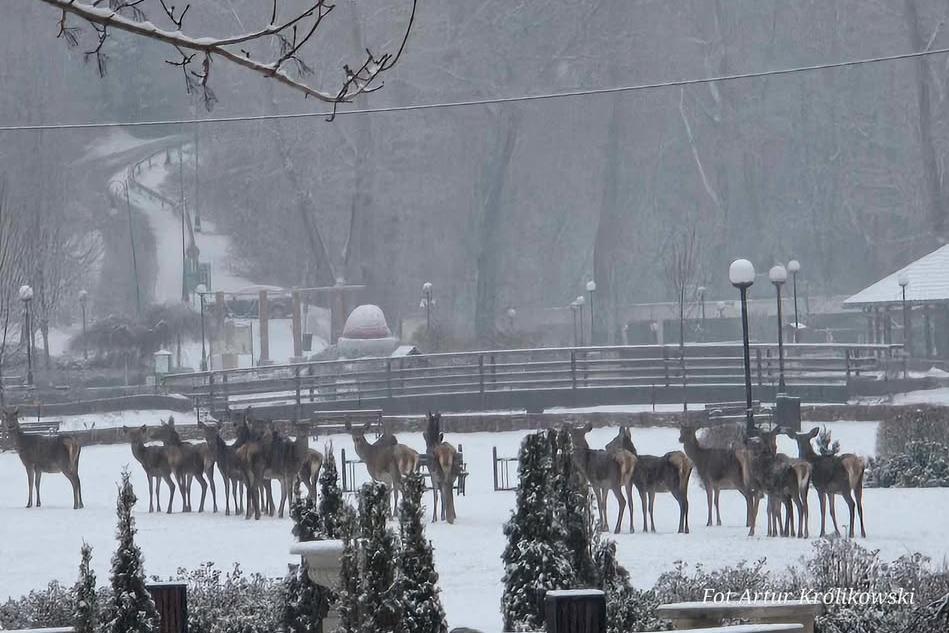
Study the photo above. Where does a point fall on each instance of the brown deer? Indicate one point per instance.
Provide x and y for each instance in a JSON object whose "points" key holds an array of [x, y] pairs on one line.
{"points": [[253, 455], [605, 471], [225, 456], [187, 462], [718, 469], [666, 473], [444, 465], [309, 472], [386, 460], [41, 454], [833, 475], [154, 462], [783, 479], [286, 460]]}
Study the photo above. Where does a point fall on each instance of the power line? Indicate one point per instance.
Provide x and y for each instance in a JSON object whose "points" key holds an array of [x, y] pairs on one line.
{"points": [[477, 102]]}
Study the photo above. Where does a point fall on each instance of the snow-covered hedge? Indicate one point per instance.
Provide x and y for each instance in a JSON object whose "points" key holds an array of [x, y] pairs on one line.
{"points": [[904, 425], [922, 464]]}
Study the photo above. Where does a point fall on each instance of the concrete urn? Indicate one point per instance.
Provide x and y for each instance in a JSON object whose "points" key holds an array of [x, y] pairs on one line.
{"points": [[323, 561]]}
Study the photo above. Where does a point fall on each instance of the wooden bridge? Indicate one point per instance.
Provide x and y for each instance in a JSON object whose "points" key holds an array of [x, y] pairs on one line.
{"points": [[536, 379]]}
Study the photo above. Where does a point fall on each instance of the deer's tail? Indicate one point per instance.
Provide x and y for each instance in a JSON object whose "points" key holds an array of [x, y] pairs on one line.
{"points": [[855, 468], [446, 459], [683, 465], [627, 464], [73, 448], [408, 462], [803, 473]]}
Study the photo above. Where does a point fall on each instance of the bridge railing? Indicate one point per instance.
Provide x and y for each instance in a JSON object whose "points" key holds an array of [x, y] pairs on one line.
{"points": [[370, 380]]}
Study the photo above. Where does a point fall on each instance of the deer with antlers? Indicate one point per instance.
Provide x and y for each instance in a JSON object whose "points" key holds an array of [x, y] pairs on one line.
{"points": [[444, 465], [40, 454], [605, 471], [154, 462], [666, 473], [833, 475], [386, 460], [719, 469], [187, 462]]}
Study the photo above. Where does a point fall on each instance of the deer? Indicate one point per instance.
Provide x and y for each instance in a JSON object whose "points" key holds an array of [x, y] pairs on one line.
{"points": [[252, 455], [40, 454], [605, 471], [719, 469], [666, 473], [833, 475], [286, 460], [783, 479], [386, 460], [225, 456], [154, 462], [309, 472], [187, 462], [444, 465]]}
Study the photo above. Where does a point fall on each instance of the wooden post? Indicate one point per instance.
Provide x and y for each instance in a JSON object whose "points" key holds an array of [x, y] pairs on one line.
{"points": [[575, 611], [263, 315], [297, 325], [758, 360], [494, 465], [171, 602], [342, 463], [296, 375]]}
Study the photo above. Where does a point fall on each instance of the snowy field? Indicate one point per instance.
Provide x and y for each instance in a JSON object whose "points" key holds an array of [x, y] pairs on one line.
{"points": [[37, 545]]}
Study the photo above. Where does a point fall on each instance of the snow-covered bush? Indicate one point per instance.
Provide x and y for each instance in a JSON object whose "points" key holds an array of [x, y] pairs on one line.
{"points": [[422, 608], [53, 606], [573, 509], [679, 585], [923, 464], [231, 602], [86, 617], [903, 425], [627, 608]]}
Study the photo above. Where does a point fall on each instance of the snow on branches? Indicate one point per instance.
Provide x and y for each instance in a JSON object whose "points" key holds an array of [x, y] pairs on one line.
{"points": [[195, 54]]}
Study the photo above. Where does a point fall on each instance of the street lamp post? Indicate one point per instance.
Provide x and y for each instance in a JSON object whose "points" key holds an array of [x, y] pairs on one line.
{"points": [[793, 267], [83, 298], [128, 205], [201, 289], [580, 302], [511, 315], [720, 306], [778, 275], [26, 296], [741, 273], [903, 280], [427, 304], [701, 290], [573, 313], [591, 288]]}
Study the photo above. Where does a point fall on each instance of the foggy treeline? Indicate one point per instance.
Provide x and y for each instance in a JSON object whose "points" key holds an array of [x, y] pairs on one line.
{"points": [[517, 204]]}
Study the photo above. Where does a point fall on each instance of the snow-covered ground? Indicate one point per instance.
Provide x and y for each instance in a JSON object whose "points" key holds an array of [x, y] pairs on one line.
{"points": [[37, 545]]}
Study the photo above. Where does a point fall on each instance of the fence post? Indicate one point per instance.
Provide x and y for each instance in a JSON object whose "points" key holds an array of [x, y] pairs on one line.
{"points": [[389, 378], [171, 602], [296, 371], [494, 465], [211, 393], [481, 372], [494, 372], [665, 363], [575, 611], [758, 360], [847, 364], [573, 369], [342, 463], [224, 391]]}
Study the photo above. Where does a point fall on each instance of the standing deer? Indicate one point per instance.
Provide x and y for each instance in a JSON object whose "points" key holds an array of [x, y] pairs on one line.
{"points": [[719, 469], [667, 473], [309, 472], [444, 465], [225, 457], [833, 475], [286, 460], [187, 462], [253, 455], [605, 471], [41, 454], [154, 462], [386, 460]]}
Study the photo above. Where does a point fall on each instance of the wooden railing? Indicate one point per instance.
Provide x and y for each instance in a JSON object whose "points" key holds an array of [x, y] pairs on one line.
{"points": [[375, 381]]}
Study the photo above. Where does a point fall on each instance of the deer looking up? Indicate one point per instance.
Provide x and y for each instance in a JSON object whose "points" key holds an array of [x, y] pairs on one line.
{"points": [[833, 475], [186, 460], [386, 460], [667, 473], [444, 466], [719, 469], [155, 464], [605, 471], [41, 454]]}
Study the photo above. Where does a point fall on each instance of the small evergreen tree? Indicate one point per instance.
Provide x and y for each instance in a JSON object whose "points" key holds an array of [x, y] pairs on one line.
{"points": [[380, 602], [423, 612], [86, 617], [331, 498], [304, 604], [132, 609], [350, 616], [535, 558], [573, 510], [824, 444], [627, 609]]}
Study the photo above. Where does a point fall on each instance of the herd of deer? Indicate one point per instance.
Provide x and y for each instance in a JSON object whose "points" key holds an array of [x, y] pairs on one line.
{"points": [[260, 454], [753, 467]]}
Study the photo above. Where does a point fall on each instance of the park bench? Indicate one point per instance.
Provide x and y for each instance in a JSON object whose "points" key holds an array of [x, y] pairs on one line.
{"points": [[702, 615], [734, 412], [41, 427], [348, 471]]}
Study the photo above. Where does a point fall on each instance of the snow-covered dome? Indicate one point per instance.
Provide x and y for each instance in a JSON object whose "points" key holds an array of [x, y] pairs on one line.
{"points": [[366, 322]]}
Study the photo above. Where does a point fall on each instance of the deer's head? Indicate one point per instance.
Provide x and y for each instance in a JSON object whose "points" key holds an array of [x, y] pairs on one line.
{"points": [[687, 434], [11, 419], [578, 434], [433, 432], [166, 432], [136, 435], [803, 440]]}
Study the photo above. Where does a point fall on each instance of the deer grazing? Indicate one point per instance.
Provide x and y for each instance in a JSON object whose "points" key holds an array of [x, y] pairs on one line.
{"points": [[719, 469], [187, 462], [225, 456], [386, 460], [783, 479], [154, 462], [667, 473], [444, 465], [605, 471], [833, 475], [41, 454]]}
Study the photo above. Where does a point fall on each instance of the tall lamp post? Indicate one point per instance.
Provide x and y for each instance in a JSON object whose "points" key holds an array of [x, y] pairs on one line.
{"points": [[580, 301], [591, 288], [26, 296], [573, 313], [741, 273], [426, 303], [128, 205], [778, 275], [701, 290], [903, 280], [83, 298], [793, 267], [201, 289], [511, 315]]}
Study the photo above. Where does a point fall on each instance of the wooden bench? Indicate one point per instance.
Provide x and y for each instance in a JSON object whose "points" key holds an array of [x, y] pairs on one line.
{"points": [[41, 427], [705, 615]]}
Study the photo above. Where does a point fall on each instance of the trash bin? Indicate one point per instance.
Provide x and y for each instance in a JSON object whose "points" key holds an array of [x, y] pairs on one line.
{"points": [[787, 412]]}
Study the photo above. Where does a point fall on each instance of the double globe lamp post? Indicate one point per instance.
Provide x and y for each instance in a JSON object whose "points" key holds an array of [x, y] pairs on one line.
{"points": [[741, 273], [778, 276]]}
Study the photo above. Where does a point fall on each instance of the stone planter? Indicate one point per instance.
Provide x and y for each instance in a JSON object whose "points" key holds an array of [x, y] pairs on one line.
{"points": [[323, 563]]}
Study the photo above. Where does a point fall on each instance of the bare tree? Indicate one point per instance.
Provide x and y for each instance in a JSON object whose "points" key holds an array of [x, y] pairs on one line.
{"points": [[12, 247], [681, 267], [292, 35]]}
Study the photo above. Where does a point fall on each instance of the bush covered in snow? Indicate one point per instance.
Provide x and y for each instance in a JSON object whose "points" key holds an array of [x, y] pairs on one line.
{"points": [[42, 608], [232, 601], [922, 464], [903, 425]]}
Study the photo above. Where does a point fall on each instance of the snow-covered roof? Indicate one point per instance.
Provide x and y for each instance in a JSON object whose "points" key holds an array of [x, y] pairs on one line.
{"points": [[928, 279]]}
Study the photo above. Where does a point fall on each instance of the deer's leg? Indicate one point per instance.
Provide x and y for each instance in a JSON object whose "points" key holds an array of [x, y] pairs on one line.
{"points": [[395, 499], [753, 512], [833, 511], [629, 498], [171, 491], [76, 489], [718, 512], [618, 493], [684, 509], [652, 518], [285, 487], [158, 492], [204, 489], [822, 498], [39, 476], [709, 499], [858, 495], [449, 493], [645, 505], [29, 486], [789, 519], [209, 473], [850, 506], [435, 501], [151, 492]]}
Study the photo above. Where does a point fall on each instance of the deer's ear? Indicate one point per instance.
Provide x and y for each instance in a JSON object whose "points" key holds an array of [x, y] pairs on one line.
{"points": [[813, 433], [125, 429], [441, 437], [588, 426], [144, 428]]}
